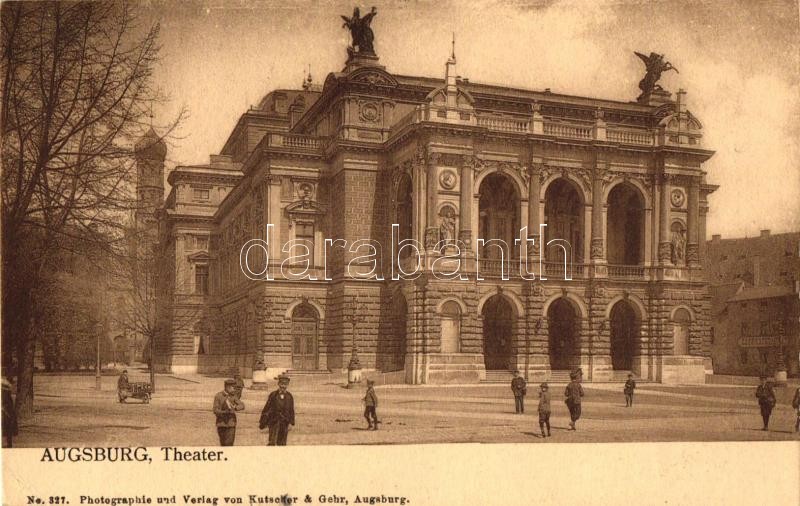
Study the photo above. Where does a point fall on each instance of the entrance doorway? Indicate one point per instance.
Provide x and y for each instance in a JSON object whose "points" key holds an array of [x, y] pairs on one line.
{"points": [[304, 337], [624, 335], [562, 333], [498, 318]]}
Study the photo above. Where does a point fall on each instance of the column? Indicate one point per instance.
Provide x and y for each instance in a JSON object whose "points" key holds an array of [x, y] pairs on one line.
{"points": [[693, 243], [274, 217], [534, 189], [597, 251], [432, 222], [465, 203], [664, 248], [419, 197]]}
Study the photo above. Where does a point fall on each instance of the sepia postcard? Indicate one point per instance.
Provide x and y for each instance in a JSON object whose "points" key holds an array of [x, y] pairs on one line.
{"points": [[446, 252]]}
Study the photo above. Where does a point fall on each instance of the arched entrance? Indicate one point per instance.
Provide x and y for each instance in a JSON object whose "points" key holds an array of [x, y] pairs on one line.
{"points": [[305, 326], [680, 332], [562, 324], [563, 211], [499, 213], [498, 319], [624, 335], [625, 225]]}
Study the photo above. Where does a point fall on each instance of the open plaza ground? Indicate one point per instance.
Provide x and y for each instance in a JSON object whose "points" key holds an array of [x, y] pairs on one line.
{"points": [[71, 412]]}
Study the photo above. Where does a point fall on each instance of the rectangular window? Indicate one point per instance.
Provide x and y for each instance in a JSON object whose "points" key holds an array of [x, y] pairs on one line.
{"points": [[202, 194], [201, 279], [305, 232]]}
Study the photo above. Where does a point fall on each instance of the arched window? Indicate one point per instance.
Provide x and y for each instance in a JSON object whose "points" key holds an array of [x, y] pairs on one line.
{"points": [[625, 225], [451, 327]]}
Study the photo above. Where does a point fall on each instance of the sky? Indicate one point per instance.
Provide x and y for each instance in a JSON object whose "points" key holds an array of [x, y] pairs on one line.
{"points": [[739, 61]]}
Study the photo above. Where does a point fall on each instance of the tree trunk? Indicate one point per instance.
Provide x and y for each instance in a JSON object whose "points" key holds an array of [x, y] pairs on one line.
{"points": [[26, 348]]}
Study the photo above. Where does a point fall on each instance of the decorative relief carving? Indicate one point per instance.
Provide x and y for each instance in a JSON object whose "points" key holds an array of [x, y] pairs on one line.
{"points": [[664, 251], [677, 198], [538, 290], [448, 179], [596, 248], [431, 237], [692, 253], [369, 112]]}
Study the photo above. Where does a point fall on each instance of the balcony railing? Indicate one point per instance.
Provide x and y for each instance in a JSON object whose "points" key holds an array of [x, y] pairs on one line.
{"points": [[294, 141], [626, 271], [500, 124], [629, 137], [570, 131]]}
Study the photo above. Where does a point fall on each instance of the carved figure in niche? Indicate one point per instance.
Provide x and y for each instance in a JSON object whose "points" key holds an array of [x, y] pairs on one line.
{"points": [[360, 31], [678, 242], [447, 225], [654, 66]]}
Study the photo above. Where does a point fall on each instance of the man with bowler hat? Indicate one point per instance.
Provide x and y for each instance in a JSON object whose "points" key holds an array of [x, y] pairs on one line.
{"points": [[225, 407], [573, 394], [278, 413], [519, 389], [370, 405], [766, 400]]}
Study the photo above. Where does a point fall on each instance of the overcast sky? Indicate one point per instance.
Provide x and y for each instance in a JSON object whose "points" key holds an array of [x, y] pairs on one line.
{"points": [[739, 62]]}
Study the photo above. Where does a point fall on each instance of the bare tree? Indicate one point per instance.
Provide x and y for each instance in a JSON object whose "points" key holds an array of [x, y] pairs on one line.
{"points": [[76, 88]]}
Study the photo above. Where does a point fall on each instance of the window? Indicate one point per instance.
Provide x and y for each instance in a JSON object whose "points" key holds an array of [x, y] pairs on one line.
{"points": [[201, 194], [201, 279], [305, 232]]}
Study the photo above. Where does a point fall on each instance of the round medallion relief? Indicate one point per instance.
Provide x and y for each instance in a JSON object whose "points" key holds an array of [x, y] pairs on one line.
{"points": [[369, 112], [448, 179], [677, 198]]}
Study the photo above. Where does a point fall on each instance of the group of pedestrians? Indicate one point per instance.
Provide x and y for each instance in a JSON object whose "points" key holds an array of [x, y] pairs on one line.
{"points": [[573, 394]]}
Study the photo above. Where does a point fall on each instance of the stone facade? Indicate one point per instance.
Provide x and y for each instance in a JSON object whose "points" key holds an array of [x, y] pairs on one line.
{"points": [[620, 186]]}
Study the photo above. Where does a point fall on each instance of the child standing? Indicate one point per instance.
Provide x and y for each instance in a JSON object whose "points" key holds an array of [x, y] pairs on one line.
{"points": [[370, 403], [630, 385], [544, 408]]}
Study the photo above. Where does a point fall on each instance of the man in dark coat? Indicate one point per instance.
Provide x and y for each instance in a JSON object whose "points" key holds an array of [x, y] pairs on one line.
{"points": [[630, 386], [370, 405], [573, 394], [519, 388], [225, 407], [9, 416], [123, 386], [278, 413], [544, 408], [766, 400]]}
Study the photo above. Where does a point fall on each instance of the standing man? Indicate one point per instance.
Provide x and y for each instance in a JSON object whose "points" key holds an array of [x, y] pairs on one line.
{"points": [[630, 386], [278, 413], [544, 408], [370, 404], [519, 388], [573, 394], [9, 416], [766, 399], [123, 386], [796, 406], [225, 407]]}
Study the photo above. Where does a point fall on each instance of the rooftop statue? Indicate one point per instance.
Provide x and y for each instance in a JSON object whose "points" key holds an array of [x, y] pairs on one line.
{"points": [[654, 65], [361, 32]]}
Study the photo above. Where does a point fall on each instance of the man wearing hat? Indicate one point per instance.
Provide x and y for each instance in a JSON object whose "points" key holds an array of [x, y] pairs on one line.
{"points": [[278, 413], [519, 388], [370, 404], [766, 399], [225, 407], [544, 409], [573, 394], [122, 386]]}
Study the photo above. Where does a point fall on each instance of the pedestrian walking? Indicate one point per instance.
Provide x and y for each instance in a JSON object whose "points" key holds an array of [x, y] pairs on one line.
{"points": [[544, 408], [239, 386], [9, 427], [766, 400], [123, 386], [519, 388], [370, 404], [573, 394], [278, 413], [225, 407], [796, 406], [630, 386]]}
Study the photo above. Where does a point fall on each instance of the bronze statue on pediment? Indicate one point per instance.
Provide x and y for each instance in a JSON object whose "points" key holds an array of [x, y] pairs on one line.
{"points": [[655, 65], [361, 31]]}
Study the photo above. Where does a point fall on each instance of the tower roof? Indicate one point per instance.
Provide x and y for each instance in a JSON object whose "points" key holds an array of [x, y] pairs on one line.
{"points": [[151, 145]]}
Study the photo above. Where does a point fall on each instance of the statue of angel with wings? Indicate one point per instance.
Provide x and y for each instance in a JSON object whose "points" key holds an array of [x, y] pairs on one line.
{"points": [[360, 31], [654, 66]]}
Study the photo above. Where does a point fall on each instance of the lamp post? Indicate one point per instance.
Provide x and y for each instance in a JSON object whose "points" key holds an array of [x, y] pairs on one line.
{"points": [[354, 317]]}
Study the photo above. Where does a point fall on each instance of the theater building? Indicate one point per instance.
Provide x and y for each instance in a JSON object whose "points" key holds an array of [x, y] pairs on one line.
{"points": [[620, 186]]}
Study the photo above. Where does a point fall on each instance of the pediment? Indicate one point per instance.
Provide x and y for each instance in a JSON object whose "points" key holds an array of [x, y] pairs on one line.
{"points": [[372, 76], [200, 256], [305, 207]]}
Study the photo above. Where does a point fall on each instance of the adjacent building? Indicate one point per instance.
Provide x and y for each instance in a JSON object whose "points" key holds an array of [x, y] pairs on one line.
{"points": [[458, 167], [755, 288]]}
